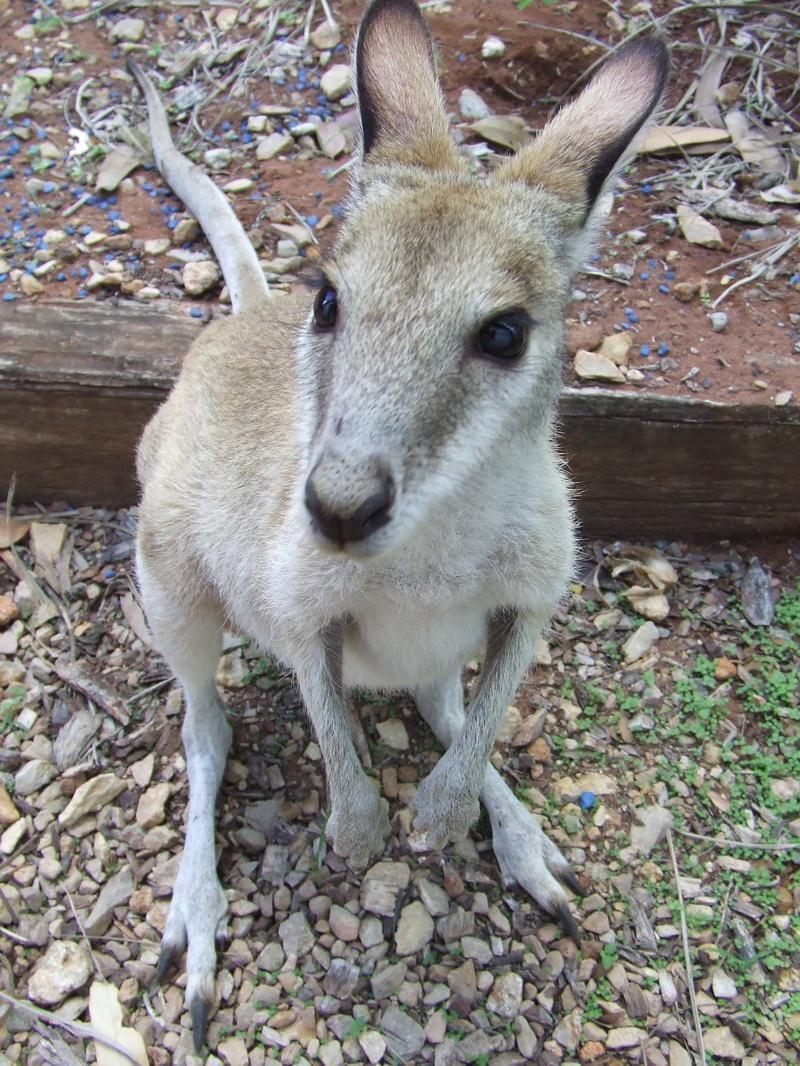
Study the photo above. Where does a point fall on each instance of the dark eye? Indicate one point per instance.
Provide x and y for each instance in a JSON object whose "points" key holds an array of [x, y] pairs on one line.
{"points": [[325, 307], [504, 338]]}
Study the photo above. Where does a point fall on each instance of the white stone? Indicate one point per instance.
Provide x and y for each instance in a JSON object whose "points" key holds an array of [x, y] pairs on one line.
{"points": [[200, 276], [238, 185], [32, 776], [591, 366], [493, 48], [373, 1045], [217, 158], [274, 144], [326, 36], [156, 246], [12, 836], [616, 348], [150, 809], [393, 733], [640, 642], [472, 106], [723, 1044], [505, 998], [64, 968], [296, 935], [696, 229], [414, 930], [128, 29], [344, 924], [336, 82], [90, 797]]}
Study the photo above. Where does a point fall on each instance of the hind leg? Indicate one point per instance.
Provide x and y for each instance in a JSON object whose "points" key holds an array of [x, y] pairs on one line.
{"points": [[525, 854], [189, 636]]}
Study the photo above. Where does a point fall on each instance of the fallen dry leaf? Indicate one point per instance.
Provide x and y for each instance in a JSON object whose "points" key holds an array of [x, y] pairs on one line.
{"points": [[105, 1013], [134, 616], [673, 138], [12, 530], [752, 146], [505, 130]]}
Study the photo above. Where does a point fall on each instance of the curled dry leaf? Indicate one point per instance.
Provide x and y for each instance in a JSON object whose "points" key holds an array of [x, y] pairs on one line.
{"points": [[647, 564], [656, 574], [648, 603], [106, 1015]]}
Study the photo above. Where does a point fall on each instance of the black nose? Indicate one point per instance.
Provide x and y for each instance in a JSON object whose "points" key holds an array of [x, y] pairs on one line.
{"points": [[342, 528]]}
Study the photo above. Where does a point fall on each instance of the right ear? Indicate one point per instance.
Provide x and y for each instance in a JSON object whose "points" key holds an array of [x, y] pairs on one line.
{"points": [[403, 116]]}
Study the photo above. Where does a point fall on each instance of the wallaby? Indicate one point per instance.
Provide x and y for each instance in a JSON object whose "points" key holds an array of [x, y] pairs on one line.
{"points": [[368, 486]]}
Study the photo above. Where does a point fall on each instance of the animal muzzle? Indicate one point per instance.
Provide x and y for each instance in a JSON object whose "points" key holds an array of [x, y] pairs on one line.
{"points": [[347, 501]]}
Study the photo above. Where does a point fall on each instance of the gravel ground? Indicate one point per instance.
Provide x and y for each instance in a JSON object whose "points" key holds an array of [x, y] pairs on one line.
{"points": [[660, 754]]}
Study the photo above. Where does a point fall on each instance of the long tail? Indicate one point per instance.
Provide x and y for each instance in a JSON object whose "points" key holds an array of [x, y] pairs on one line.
{"points": [[236, 257]]}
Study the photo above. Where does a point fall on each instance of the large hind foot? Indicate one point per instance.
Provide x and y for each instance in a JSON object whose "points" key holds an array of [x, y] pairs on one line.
{"points": [[526, 855], [197, 920]]}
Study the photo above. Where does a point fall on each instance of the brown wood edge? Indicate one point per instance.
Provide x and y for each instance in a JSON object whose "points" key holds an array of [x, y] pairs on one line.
{"points": [[79, 381]]}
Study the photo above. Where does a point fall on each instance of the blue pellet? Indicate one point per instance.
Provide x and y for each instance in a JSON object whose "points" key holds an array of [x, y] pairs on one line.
{"points": [[587, 800], [644, 351], [9, 296], [663, 349], [196, 312], [669, 275], [663, 288], [631, 315], [82, 294], [83, 272], [312, 220], [645, 275], [647, 188], [61, 276]]}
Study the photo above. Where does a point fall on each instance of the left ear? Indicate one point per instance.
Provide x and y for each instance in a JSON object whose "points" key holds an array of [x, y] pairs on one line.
{"points": [[587, 141]]}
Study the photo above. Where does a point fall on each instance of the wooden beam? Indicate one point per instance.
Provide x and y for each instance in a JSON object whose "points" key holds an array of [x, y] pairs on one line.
{"points": [[79, 381]]}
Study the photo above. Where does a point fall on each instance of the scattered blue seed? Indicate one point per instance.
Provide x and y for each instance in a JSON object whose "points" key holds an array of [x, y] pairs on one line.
{"points": [[663, 349], [647, 188], [631, 315], [587, 800], [644, 351], [196, 312], [645, 274], [9, 296], [663, 288]]}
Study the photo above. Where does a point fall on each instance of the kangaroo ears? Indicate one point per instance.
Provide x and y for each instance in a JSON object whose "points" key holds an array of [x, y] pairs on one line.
{"points": [[403, 116], [582, 146]]}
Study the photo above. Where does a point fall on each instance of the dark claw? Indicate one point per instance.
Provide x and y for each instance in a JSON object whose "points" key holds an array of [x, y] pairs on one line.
{"points": [[564, 917], [199, 1024], [222, 940], [166, 960], [568, 877]]}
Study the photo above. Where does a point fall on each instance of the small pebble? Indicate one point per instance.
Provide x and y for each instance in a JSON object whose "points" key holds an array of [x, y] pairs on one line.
{"points": [[718, 320]]}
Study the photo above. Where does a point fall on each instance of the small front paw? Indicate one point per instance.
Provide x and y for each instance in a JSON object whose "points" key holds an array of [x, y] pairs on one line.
{"points": [[444, 810], [358, 827]]}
